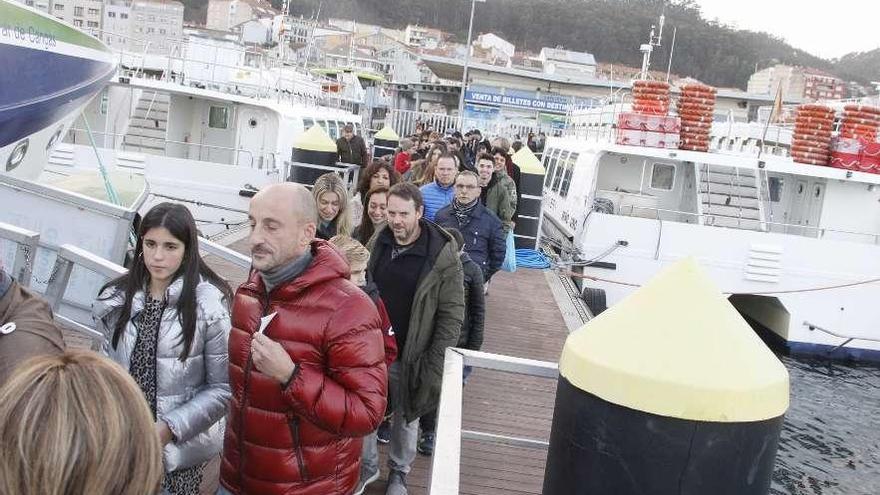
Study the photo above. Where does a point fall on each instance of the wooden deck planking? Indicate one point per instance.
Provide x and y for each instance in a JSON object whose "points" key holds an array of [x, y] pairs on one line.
{"points": [[522, 320]]}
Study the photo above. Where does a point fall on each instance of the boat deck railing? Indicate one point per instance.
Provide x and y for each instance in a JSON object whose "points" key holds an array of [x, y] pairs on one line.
{"points": [[446, 462], [242, 156], [710, 219], [596, 121]]}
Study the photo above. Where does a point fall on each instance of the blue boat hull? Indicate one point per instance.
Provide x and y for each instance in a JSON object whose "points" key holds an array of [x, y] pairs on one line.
{"points": [[48, 87]]}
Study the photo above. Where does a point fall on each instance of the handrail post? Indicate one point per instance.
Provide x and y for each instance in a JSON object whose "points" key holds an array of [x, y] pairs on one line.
{"points": [[58, 280], [26, 242], [446, 462]]}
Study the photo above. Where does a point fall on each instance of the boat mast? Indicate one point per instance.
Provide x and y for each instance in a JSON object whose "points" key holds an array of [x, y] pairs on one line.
{"points": [[647, 48]]}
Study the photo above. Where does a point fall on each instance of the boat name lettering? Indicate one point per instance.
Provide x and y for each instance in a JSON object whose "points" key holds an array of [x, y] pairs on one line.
{"points": [[29, 34]]}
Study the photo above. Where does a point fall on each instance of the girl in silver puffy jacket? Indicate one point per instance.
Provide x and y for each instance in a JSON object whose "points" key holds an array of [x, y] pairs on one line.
{"points": [[167, 322]]}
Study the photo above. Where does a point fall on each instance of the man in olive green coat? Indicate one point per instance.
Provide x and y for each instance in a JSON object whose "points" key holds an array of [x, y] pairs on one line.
{"points": [[416, 266], [498, 190]]}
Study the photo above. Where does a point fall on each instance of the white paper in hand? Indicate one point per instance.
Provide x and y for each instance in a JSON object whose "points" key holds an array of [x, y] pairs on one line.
{"points": [[264, 321]]}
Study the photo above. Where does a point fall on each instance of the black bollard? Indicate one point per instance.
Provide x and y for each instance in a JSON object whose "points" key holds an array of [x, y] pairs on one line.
{"points": [[669, 392], [313, 147], [528, 222]]}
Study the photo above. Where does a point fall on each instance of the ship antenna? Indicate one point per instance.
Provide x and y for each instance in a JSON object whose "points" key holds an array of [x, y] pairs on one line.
{"points": [[648, 48]]}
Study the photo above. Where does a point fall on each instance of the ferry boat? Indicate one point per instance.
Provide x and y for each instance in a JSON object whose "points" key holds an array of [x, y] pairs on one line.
{"points": [[50, 71], [796, 246], [202, 132]]}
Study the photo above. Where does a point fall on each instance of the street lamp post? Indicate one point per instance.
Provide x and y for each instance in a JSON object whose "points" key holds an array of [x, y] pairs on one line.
{"points": [[467, 60]]}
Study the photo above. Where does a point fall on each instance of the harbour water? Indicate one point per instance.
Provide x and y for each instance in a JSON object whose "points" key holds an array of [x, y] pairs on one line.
{"points": [[830, 442]]}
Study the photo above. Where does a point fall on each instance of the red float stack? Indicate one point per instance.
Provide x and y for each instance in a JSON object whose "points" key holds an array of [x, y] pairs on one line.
{"points": [[860, 122], [651, 97], [811, 143], [856, 148], [648, 124], [696, 107]]}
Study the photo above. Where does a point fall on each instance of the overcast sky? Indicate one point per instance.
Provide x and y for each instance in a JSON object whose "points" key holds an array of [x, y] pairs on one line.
{"points": [[827, 29]]}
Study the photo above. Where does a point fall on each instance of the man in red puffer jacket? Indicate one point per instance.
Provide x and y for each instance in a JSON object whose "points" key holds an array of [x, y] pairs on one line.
{"points": [[308, 387]]}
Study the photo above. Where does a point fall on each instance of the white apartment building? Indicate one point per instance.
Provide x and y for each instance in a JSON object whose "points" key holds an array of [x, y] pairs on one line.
{"points": [[422, 37], [156, 25], [223, 15], [496, 48], [86, 14], [43, 5], [798, 83], [568, 63], [117, 23]]}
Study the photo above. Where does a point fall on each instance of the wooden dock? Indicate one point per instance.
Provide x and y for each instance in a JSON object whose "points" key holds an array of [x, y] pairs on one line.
{"points": [[522, 320]]}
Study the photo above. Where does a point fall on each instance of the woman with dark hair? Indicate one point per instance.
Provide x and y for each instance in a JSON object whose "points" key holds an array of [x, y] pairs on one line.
{"points": [[167, 322], [377, 205], [379, 174]]}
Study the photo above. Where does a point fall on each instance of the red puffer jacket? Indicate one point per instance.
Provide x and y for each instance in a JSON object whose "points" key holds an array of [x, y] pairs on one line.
{"points": [[305, 439]]}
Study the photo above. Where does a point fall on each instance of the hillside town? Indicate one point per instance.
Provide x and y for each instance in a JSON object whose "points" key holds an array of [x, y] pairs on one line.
{"points": [[373, 69]]}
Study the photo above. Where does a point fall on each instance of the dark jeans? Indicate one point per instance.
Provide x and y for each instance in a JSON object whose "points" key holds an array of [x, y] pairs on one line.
{"points": [[428, 422]]}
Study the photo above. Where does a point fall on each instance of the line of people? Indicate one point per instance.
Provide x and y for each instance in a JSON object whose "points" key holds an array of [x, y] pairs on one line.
{"points": [[283, 384]]}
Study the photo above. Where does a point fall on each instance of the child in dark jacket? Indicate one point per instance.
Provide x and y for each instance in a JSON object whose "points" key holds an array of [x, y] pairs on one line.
{"points": [[471, 331], [358, 256]]}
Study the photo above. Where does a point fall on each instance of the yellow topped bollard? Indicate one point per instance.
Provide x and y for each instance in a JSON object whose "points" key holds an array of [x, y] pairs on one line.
{"points": [[313, 147], [531, 185], [385, 142], [668, 392]]}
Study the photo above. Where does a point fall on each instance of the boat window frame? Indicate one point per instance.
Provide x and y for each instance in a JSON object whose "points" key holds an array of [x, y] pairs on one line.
{"points": [[323, 124], [674, 176], [551, 155], [568, 173], [333, 129], [308, 123], [557, 176], [211, 117]]}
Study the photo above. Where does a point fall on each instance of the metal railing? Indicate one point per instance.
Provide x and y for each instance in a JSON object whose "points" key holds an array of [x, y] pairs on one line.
{"points": [[26, 243], [446, 462], [67, 257], [820, 231], [270, 156], [70, 256]]}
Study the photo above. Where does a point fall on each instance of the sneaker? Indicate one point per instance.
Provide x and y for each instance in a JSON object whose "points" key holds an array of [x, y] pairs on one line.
{"points": [[396, 483], [426, 443], [383, 434], [366, 478]]}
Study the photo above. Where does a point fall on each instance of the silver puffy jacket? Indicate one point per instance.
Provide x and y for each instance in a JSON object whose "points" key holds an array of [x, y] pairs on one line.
{"points": [[191, 396]]}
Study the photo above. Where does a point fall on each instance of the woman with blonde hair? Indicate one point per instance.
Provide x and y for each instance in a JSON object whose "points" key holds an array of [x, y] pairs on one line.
{"points": [[76, 424], [334, 208]]}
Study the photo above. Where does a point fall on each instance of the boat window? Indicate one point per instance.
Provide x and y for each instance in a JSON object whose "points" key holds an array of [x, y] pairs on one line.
{"points": [[308, 123], [323, 124], [566, 178], [218, 118], [663, 176], [334, 129], [774, 184], [550, 165], [557, 176]]}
